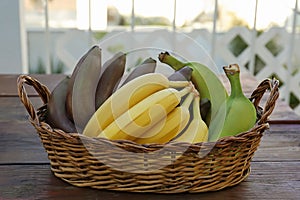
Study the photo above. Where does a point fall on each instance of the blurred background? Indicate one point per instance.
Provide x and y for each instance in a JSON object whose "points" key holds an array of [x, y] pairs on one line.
{"points": [[49, 36]]}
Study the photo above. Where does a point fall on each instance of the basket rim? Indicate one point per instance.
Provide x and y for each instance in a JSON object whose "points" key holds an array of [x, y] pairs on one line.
{"points": [[36, 115]]}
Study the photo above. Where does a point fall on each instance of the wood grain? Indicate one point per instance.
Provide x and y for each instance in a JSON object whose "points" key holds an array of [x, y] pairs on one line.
{"points": [[268, 180], [8, 83]]}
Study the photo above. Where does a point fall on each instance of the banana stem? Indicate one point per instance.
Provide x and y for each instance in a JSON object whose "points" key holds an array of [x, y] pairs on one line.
{"points": [[178, 84], [188, 100], [184, 91], [196, 108], [166, 58]]}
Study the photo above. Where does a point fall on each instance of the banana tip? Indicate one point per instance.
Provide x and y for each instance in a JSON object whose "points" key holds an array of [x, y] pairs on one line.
{"points": [[231, 69], [162, 55]]}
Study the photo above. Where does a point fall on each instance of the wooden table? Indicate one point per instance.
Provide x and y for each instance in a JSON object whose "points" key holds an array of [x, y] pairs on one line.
{"points": [[25, 170]]}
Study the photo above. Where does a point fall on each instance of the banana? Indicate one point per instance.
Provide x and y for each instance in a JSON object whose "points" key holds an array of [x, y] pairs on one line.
{"points": [[197, 130], [126, 97], [240, 111], [84, 88], [56, 108], [169, 127], [205, 107], [142, 116], [183, 74], [71, 84], [205, 80], [147, 66], [113, 71]]}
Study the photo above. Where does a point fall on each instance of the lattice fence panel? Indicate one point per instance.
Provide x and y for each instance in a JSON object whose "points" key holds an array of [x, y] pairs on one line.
{"points": [[270, 50]]}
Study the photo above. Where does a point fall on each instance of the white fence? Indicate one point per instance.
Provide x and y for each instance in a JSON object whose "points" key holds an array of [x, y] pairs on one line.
{"points": [[270, 54]]}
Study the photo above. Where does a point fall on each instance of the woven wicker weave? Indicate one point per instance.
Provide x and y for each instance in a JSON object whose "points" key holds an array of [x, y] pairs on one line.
{"points": [[82, 161]]}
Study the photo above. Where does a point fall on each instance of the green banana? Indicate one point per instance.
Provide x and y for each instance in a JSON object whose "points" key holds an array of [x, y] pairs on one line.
{"points": [[240, 111], [147, 66], [56, 108], [113, 71], [205, 80], [182, 74], [84, 88]]}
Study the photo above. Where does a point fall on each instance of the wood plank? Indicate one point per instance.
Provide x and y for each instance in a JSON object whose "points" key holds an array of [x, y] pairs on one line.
{"points": [[279, 147], [284, 128], [13, 109], [8, 83], [268, 180], [19, 143]]}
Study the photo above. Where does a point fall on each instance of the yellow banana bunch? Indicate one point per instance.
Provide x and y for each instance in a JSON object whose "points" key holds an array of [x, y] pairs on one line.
{"points": [[143, 99], [169, 127], [197, 130], [144, 115]]}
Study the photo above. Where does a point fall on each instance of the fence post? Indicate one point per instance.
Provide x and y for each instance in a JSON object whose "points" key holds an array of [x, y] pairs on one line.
{"points": [[174, 17], [290, 53], [132, 16], [213, 38], [47, 38], [253, 39]]}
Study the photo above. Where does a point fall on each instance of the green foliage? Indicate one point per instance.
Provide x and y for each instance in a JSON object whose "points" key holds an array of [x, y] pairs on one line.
{"points": [[237, 45], [115, 48], [56, 68], [98, 35], [294, 101]]}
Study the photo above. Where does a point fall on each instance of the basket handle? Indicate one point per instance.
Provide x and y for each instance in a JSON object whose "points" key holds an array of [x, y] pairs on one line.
{"points": [[41, 89], [273, 86]]}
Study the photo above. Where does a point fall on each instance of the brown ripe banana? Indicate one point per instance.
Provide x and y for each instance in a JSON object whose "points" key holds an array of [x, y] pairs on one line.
{"points": [[205, 107], [183, 74], [146, 67], [113, 71], [56, 108], [71, 84], [84, 88]]}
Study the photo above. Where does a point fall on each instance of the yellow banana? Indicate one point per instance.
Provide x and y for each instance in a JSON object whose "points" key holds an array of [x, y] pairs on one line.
{"points": [[125, 97], [142, 116], [197, 130], [170, 126]]}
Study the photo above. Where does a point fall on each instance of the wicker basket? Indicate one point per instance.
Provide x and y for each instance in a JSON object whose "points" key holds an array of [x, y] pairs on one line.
{"points": [[82, 161]]}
